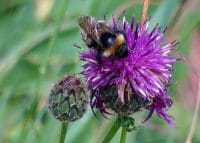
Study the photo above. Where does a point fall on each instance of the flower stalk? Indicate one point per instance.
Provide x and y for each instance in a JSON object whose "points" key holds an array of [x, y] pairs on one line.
{"points": [[115, 127], [126, 123], [195, 118], [123, 135], [63, 132], [145, 10]]}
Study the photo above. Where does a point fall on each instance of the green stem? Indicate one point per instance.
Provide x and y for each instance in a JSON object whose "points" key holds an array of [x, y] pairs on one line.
{"points": [[58, 21], [145, 10], [111, 132], [63, 132], [123, 135]]}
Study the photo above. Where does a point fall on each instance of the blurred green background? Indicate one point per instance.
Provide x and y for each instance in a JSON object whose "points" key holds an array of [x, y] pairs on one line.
{"points": [[36, 49]]}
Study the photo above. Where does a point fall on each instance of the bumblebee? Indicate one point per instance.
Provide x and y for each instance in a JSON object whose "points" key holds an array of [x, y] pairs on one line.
{"points": [[107, 41]]}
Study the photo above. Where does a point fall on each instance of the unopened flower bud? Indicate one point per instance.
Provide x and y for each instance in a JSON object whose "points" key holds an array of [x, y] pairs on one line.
{"points": [[68, 99]]}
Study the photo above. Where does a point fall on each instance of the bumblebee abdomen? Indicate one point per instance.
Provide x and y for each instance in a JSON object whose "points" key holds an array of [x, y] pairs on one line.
{"points": [[120, 39], [122, 51], [109, 51]]}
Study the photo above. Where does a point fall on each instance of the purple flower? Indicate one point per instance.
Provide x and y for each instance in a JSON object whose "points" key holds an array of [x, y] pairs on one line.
{"points": [[145, 72]]}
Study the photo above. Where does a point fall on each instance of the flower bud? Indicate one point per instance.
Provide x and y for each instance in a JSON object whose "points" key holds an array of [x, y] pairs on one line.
{"points": [[68, 99]]}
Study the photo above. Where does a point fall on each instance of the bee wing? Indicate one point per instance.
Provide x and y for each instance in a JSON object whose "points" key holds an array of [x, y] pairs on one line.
{"points": [[93, 27]]}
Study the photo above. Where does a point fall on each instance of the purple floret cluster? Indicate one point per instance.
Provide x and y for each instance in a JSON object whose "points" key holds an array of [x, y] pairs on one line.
{"points": [[147, 69]]}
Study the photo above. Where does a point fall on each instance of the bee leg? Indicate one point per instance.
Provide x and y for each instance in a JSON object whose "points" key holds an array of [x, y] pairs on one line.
{"points": [[77, 46], [98, 57], [112, 58]]}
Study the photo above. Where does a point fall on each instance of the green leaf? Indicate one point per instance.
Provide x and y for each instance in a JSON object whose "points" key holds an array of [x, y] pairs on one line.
{"points": [[164, 13]]}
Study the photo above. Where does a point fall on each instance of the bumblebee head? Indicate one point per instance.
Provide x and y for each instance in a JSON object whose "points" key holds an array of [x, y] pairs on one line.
{"points": [[107, 39]]}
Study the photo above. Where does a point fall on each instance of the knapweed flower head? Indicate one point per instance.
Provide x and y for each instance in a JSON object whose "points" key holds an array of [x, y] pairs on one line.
{"points": [[138, 80], [68, 99]]}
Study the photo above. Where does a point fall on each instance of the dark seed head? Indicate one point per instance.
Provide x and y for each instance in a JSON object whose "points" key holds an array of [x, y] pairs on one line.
{"points": [[68, 99]]}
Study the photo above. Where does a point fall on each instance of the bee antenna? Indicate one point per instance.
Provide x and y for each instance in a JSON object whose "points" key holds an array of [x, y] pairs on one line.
{"points": [[77, 46]]}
